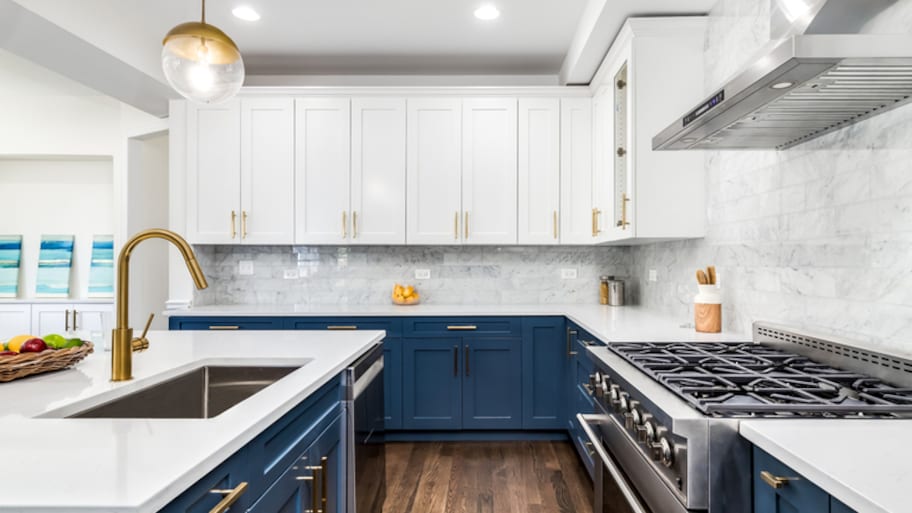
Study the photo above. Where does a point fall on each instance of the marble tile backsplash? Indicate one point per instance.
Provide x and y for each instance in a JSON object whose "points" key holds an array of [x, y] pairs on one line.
{"points": [[366, 274], [818, 236]]}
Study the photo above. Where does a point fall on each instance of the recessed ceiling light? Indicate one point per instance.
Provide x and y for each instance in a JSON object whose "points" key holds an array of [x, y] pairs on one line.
{"points": [[782, 85], [246, 13], [487, 12]]}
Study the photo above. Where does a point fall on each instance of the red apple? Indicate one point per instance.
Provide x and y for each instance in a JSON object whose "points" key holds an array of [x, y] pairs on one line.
{"points": [[33, 345], [8, 353]]}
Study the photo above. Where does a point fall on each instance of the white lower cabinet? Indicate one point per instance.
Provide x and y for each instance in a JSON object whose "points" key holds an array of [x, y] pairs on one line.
{"points": [[15, 319], [539, 141], [69, 317]]}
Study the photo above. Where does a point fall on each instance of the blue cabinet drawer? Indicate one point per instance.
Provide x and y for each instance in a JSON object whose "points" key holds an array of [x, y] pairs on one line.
{"points": [[277, 448], [581, 443], [199, 497], [836, 506], [795, 493], [225, 323], [461, 326], [393, 327]]}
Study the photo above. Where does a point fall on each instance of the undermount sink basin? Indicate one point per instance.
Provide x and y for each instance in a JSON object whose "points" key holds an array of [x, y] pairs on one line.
{"points": [[202, 393]]}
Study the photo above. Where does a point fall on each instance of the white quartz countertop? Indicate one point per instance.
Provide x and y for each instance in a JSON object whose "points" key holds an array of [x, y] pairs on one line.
{"points": [[135, 465], [863, 463], [608, 323]]}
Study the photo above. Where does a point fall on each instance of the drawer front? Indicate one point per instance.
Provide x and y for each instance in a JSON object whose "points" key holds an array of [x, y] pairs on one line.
{"points": [[200, 499], [272, 452], [224, 323], [795, 493], [581, 443], [393, 327], [462, 326]]}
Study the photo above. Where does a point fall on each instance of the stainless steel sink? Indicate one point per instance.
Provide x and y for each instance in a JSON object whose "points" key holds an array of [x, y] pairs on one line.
{"points": [[202, 393]]}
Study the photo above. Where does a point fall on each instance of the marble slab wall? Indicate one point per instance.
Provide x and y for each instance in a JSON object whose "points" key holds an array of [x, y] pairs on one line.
{"points": [[365, 275], [818, 236]]}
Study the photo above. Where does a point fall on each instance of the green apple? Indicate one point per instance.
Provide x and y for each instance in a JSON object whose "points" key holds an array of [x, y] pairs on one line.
{"points": [[73, 342], [55, 341]]}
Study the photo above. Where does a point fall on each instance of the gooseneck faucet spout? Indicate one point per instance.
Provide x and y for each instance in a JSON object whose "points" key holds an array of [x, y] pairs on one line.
{"points": [[122, 342]]}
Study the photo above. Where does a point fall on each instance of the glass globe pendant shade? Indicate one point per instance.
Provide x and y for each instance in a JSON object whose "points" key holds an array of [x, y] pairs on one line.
{"points": [[202, 63]]}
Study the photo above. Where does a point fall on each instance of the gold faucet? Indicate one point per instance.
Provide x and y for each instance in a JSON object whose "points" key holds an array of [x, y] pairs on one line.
{"points": [[122, 342]]}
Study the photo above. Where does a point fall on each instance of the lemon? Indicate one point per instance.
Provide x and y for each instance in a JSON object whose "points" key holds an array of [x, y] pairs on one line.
{"points": [[16, 342]]}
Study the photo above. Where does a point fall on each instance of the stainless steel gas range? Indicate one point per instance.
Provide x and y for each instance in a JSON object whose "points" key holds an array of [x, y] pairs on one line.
{"points": [[666, 427]]}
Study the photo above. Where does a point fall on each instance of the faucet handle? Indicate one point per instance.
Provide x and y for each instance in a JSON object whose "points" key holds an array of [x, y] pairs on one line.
{"points": [[142, 343]]}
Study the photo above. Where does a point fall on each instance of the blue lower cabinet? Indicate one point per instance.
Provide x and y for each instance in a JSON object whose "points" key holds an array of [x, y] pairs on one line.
{"points": [[779, 489], [492, 383], [544, 354], [314, 482], [836, 506], [225, 323], [228, 476], [431, 383]]}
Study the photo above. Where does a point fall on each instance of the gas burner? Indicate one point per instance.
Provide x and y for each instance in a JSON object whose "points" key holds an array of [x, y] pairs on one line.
{"points": [[753, 380]]}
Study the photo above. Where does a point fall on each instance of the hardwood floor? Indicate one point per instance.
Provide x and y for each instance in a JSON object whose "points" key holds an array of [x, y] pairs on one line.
{"points": [[486, 477]]}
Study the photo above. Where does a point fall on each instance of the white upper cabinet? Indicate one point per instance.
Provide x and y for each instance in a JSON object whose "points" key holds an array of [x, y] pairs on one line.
{"points": [[434, 149], [576, 173], [213, 172], [647, 77], [322, 170], [267, 171], [489, 171], [539, 170], [240, 172], [378, 171]]}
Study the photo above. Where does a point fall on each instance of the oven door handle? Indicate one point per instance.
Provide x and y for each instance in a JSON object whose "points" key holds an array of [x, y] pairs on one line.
{"points": [[586, 422]]}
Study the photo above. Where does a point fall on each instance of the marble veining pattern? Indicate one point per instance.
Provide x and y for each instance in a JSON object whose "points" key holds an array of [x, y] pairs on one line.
{"points": [[818, 236], [364, 275]]}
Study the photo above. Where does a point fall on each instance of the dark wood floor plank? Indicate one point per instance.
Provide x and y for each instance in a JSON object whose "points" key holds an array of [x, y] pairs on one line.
{"points": [[486, 477]]}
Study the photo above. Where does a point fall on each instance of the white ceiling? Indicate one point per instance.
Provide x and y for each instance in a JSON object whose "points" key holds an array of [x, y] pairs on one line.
{"points": [[333, 37]]}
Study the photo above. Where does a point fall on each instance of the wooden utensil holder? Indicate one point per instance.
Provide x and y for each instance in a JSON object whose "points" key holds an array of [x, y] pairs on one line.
{"points": [[708, 317]]}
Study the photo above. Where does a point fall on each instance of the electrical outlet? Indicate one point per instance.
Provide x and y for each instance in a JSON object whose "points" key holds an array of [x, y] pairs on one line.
{"points": [[291, 274], [569, 274], [245, 267], [422, 274], [653, 275]]}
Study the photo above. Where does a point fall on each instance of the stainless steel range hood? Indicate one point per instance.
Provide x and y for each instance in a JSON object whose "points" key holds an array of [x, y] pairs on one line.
{"points": [[819, 75]]}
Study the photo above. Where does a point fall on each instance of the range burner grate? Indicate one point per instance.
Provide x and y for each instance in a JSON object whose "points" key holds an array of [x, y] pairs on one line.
{"points": [[754, 380]]}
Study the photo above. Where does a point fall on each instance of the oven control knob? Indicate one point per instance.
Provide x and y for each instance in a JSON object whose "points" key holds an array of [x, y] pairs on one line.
{"points": [[666, 452], [614, 394], [637, 418], [648, 433], [624, 403], [604, 388], [595, 379]]}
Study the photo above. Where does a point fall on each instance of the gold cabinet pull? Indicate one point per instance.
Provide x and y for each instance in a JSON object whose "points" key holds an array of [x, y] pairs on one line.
{"points": [[623, 223], [243, 224], [317, 475], [74, 320], [230, 497], [570, 334], [324, 471], [465, 226], [456, 226], [595, 222], [455, 361], [554, 222], [344, 224], [355, 224], [341, 328], [467, 360], [462, 328], [775, 481], [224, 328], [66, 320], [233, 224]]}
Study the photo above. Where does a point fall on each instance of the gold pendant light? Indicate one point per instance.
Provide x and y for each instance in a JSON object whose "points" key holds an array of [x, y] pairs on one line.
{"points": [[201, 62]]}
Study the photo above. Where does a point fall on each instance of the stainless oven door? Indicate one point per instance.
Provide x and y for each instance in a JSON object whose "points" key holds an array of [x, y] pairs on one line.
{"points": [[619, 488], [366, 450]]}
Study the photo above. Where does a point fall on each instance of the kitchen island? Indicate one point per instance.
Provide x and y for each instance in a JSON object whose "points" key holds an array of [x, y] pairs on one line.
{"points": [[55, 464]]}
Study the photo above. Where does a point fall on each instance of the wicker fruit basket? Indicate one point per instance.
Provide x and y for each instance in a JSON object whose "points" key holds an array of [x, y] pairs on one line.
{"points": [[26, 364]]}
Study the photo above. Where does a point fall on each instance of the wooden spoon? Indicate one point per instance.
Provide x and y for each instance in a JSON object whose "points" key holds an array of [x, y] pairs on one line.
{"points": [[711, 271], [701, 277]]}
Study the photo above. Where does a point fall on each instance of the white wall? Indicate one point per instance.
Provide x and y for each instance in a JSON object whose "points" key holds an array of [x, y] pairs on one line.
{"points": [[56, 197]]}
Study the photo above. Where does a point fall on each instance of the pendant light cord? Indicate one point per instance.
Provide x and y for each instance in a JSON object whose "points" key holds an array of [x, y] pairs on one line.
{"points": [[204, 11]]}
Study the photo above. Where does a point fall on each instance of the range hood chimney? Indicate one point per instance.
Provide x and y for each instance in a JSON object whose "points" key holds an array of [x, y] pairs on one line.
{"points": [[817, 75]]}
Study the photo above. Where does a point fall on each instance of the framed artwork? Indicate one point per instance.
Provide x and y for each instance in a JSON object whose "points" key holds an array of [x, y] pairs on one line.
{"points": [[55, 259], [101, 269], [10, 260]]}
